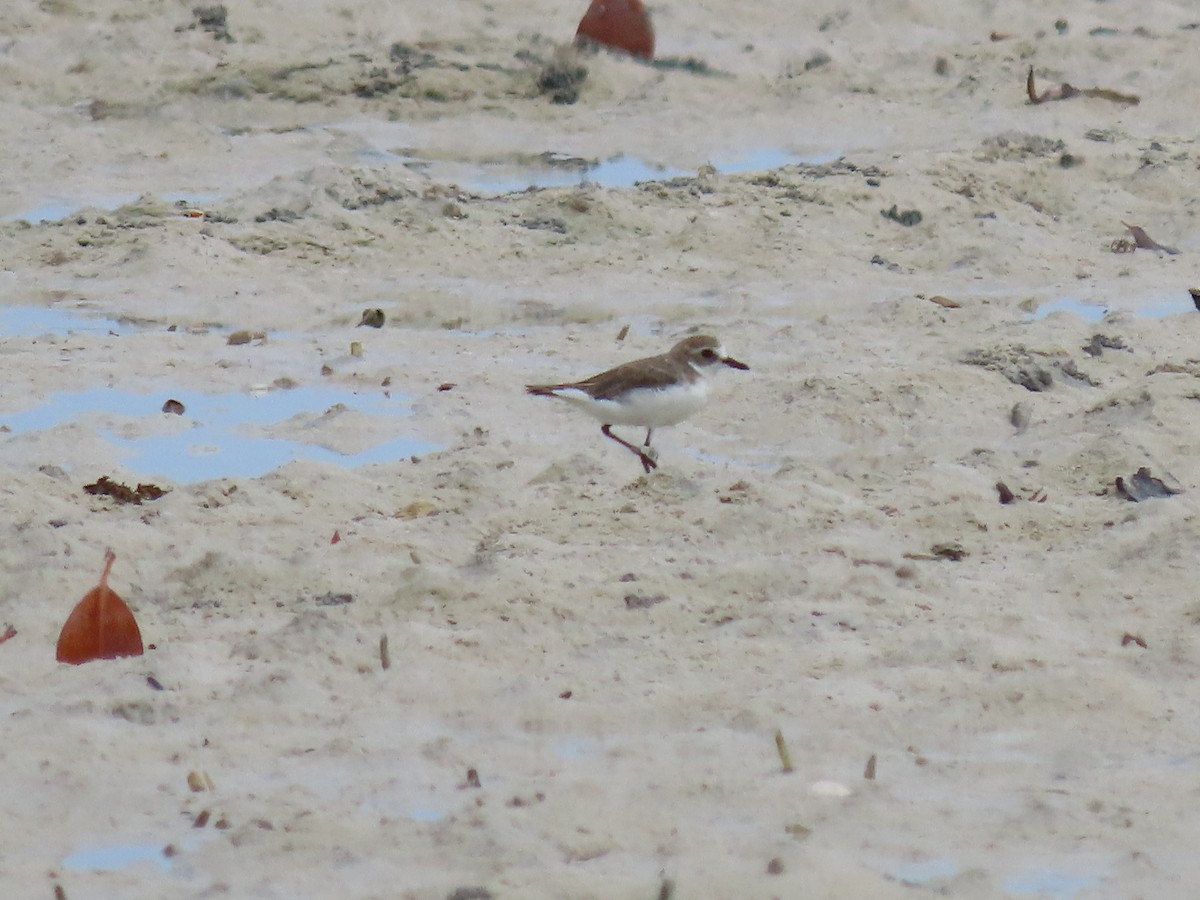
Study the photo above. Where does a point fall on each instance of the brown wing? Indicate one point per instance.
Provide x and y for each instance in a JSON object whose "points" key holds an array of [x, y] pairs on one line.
{"points": [[652, 372]]}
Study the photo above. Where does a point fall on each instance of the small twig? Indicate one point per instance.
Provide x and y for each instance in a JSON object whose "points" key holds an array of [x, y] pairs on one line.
{"points": [[785, 758], [1066, 91], [385, 658]]}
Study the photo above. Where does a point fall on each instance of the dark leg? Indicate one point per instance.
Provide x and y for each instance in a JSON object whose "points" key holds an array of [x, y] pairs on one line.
{"points": [[647, 462], [649, 431]]}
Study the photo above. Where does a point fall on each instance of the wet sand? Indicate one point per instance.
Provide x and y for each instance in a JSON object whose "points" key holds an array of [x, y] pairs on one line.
{"points": [[588, 666]]}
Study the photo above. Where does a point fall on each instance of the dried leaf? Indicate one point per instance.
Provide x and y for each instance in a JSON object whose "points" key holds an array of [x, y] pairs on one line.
{"points": [[100, 627], [123, 493]]}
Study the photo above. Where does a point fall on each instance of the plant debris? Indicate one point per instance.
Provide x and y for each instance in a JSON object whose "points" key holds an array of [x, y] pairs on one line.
{"points": [[1128, 639], [1101, 342], [562, 79], [785, 758], [945, 302], [372, 317], [695, 66], [198, 782], [211, 19], [123, 493], [906, 217], [329, 598], [1017, 364], [1144, 486], [1020, 416], [951, 550], [245, 336], [643, 601], [1066, 91], [1143, 241]]}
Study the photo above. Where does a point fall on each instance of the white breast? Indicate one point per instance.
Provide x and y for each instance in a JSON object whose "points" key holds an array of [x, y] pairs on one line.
{"points": [[643, 407]]}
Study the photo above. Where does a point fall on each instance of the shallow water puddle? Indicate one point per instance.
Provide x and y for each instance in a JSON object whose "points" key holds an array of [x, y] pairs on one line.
{"points": [[1043, 882], [547, 171], [34, 321], [57, 208], [1049, 883], [1089, 312], [620, 171], [918, 872], [113, 859], [1095, 312], [215, 437]]}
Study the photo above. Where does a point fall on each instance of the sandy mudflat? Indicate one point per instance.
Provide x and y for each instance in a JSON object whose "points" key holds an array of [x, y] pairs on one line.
{"points": [[822, 551]]}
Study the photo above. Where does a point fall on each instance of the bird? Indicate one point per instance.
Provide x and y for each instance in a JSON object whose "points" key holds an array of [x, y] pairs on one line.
{"points": [[648, 393]]}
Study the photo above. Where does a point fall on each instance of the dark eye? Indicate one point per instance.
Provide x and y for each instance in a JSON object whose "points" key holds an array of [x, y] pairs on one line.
{"points": [[708, 354]]}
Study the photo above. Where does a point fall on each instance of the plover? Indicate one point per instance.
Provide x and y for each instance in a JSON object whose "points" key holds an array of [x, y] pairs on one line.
{"points": [[649, 393]]}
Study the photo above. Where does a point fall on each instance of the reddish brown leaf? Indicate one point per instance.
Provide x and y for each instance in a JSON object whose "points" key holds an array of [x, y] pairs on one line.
{"points": [[100, 627], [619, 24]]}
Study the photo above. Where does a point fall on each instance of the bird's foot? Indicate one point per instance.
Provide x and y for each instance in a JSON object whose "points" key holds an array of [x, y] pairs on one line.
{"points": [[649, 458]]}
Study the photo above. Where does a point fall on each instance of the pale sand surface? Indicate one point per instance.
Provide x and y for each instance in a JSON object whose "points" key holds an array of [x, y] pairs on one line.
{"points": [[611, 653]]}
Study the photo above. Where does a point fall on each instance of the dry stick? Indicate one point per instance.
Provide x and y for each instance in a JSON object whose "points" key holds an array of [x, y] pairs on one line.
{"points": [[1066, 91], [385, 658], [784, 757]]}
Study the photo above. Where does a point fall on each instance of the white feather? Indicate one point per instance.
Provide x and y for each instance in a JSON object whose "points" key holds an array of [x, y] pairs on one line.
{"points": [[644, 407]]}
